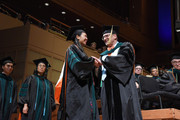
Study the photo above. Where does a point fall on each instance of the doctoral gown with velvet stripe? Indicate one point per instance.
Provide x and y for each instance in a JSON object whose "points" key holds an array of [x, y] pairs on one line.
{"points": [[8, 97], [172, 75], [119, 95], [79, 103], [170, 81], [38, 93]]}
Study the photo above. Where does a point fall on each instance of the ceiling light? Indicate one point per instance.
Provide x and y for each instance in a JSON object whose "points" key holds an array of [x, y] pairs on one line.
{"points": [[63, 12], [77, 20], [46, 4], [92, 27]]}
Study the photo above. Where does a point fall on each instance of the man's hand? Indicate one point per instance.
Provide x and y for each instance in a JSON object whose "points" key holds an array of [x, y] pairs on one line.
{"points": [[25, 109], [97, 62], [137, 85]]}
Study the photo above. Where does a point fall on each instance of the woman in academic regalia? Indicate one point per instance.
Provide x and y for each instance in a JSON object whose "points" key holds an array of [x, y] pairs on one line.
{"points": [[36, 97], [77, 97], [8, 91]]}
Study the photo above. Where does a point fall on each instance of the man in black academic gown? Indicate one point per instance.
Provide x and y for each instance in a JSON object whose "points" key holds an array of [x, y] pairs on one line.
{"points": [[8, 91], [119, 96], [170, 81], [173, 74], [138, 72], [138, 69]]}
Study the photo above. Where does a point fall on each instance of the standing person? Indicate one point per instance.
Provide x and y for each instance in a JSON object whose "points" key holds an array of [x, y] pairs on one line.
{"points": [[8, 91], [93, 45], [77, 97], [36, 97], [119, 96]]}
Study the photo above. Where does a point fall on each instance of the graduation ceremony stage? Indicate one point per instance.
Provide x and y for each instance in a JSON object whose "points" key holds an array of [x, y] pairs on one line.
{"points": [[32, 41], [161, 114], [156, 114]]}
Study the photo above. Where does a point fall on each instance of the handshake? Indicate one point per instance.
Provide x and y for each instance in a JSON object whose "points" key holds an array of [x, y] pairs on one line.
{"points": [[97, 62]]}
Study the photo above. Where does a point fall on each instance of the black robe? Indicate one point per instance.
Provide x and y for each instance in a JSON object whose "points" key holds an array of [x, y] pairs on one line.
{"points": [[172, 75], [138, 89], [8, 97], [119, 95], [78, 102], [170, 82], [38, 93]]}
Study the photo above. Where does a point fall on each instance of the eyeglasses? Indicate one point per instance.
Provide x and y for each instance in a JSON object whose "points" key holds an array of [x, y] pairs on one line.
{"points": [[138, 68], [105, 36], [42, 65], [176, 62]]}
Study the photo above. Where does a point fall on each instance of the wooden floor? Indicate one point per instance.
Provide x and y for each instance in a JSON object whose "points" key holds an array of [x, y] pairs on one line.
{"points": [[161, 114], [157, 114]]}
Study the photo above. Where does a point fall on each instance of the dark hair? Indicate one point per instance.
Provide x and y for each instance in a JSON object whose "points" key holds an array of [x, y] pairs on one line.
{"points": [[7, 61], [44, 74], [77, 32], [75, 40]]}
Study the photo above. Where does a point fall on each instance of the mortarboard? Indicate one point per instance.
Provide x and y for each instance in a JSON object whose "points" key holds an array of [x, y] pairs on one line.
{"points": [[74, 30], [107, 29], [175, 55], [152, 67], [139, 64], [5, 60], [43, 60]]}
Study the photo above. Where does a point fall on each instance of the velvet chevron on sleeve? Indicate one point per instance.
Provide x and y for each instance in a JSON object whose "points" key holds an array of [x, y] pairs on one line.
{"points": [[38, 93], [119, 95], [78, 101]]}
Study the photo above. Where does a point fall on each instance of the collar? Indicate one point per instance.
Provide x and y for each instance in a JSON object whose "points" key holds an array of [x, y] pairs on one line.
{"points": [[117, 45], [5, 76], [40, 77], [110, 48], [176, 71]]}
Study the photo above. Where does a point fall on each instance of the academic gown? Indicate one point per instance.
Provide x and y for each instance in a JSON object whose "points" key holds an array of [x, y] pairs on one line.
{"points": [[138, 89], [98, 83], [156, 78], [8, 97], [38, 93], [172, 75], [77, 99], [170, 82], [119, 95]]}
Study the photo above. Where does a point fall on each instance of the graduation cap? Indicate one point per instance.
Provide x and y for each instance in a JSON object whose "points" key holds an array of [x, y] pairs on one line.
{"points": [[42, 60], [5, 60], [74, 30], [139, 64], [107, 29], [175, 55], [153, 66]]}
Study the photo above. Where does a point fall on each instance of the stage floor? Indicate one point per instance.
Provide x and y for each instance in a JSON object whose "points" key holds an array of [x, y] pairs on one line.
{"points": [[161, 114]]}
